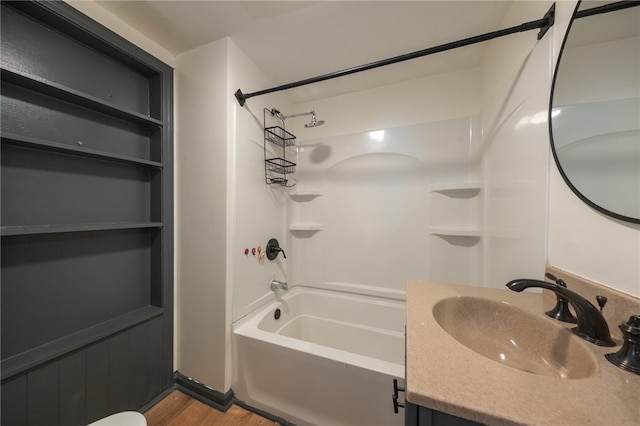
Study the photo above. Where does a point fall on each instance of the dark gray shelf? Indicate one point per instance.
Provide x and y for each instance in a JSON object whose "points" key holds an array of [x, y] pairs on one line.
{"points": [[89, 227], [87, 219], [43, 353], [29, 142], [59, 91]]}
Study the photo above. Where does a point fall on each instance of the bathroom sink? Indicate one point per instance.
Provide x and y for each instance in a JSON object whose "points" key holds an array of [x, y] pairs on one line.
{"points": [[515, 337]]}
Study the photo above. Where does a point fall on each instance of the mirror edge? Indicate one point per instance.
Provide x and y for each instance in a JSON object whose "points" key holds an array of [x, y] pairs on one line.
{"points": [[566, 179]]}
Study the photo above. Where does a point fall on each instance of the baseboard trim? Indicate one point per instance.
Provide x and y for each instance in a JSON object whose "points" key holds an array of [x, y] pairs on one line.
{"points": [[264, 414], [157, 399], [204, 394]]}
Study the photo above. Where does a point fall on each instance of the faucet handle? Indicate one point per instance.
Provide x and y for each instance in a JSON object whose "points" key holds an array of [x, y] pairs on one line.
{"points": [[273, 248], [557, 280], [602, 300]]}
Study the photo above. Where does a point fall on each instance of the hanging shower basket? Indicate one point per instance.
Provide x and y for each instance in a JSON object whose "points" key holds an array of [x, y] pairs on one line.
{"points": [[279, 136], [280, 166], [276, 169]]}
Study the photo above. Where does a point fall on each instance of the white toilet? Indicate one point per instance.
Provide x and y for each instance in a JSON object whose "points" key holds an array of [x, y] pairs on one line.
{"points": [[125, 418]]}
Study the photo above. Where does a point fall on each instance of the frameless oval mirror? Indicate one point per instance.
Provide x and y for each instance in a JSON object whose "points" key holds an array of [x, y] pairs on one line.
{"points": [[595, 107]]}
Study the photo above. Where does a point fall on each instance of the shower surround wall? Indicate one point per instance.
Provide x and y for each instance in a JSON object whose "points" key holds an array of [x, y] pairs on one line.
{"points": [[365, 207], [515, 84], [471, 228], [368, 210]]}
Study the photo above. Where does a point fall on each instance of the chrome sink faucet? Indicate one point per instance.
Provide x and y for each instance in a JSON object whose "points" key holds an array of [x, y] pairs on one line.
{"points": [[275, 284], [591, 324]]}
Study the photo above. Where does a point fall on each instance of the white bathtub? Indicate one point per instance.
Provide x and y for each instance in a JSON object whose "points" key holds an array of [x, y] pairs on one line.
{"points": [[330, 358]]}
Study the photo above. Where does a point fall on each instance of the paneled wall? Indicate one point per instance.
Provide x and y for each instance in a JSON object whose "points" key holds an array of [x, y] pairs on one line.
{"points": [[87, 223]]}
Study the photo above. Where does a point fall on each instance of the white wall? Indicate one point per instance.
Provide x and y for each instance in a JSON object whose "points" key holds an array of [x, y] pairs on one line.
{"points": [[375, 213], [201, 112], [374, 161], [428, 99], [225, 206]]}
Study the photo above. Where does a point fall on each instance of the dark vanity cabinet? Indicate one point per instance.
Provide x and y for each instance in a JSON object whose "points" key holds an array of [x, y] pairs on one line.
{"points": [[86, 219], [417, 415]]}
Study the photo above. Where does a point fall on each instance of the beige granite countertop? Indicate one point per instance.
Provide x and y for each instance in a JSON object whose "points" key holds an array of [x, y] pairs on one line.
{"points": [[445, 375]]}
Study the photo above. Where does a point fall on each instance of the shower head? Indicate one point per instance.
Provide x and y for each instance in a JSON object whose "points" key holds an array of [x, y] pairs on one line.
{"points": [[314, 122]]}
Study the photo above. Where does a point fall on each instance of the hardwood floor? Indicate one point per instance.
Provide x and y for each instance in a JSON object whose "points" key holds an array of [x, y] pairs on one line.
{"points": [[178, 409]]}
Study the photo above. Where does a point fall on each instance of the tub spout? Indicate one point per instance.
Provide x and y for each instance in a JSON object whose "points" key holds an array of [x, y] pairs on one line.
{"points": [[275, 284], [591, 324]]}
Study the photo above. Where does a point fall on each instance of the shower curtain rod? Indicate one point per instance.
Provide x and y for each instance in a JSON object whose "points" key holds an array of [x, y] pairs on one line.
{"points": [[543, 24]]}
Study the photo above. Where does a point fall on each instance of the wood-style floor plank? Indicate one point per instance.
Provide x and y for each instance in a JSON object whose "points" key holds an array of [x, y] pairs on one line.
{"points": [[170, 407], [178, 409]]}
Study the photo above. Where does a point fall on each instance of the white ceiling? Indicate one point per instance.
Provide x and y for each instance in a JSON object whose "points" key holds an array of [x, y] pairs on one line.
{"points": [[292, 40]]}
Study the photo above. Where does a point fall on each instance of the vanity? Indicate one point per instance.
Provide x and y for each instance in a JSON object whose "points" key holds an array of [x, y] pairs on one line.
{"points": [[491, 356]]}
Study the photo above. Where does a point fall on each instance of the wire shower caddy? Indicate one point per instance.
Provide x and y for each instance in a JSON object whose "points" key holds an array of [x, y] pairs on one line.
{"points": [[276, 169]]}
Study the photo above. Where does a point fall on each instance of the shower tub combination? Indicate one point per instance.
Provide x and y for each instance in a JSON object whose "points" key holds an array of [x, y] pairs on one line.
{"points": [[322, 357]]}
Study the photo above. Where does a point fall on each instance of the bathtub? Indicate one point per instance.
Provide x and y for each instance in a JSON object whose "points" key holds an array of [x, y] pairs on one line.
{"points": [[328, 359]]}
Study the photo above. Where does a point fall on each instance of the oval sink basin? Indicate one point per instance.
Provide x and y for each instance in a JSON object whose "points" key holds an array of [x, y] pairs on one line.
{"points": [[515, 337]]}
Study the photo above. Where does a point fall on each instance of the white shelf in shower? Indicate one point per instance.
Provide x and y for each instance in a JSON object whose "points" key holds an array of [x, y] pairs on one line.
{"points": [[454, 231], [303, 194], [305, 227], [472, 188]]}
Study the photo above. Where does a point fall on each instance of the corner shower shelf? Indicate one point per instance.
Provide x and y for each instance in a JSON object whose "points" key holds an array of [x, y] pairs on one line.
{"points": [[470, 189], [305, 227], [303, 194], [452, 231], [455, 207]]}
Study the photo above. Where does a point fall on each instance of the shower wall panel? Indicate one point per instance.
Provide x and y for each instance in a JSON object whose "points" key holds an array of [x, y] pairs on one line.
{"points": [[361, 212]]}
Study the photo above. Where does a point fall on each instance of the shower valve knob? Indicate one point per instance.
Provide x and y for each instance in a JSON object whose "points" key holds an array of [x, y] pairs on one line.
{"points": [[273, 248]]}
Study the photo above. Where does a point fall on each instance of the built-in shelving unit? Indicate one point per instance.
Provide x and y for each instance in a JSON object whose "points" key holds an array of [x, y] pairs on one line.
{"points": [[56, 229], [37, 355], [28, 142], [86, 220], [59, 91]]}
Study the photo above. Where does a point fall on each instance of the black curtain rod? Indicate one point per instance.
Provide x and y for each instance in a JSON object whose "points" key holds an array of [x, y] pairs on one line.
{"points": [[543, 24]]}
